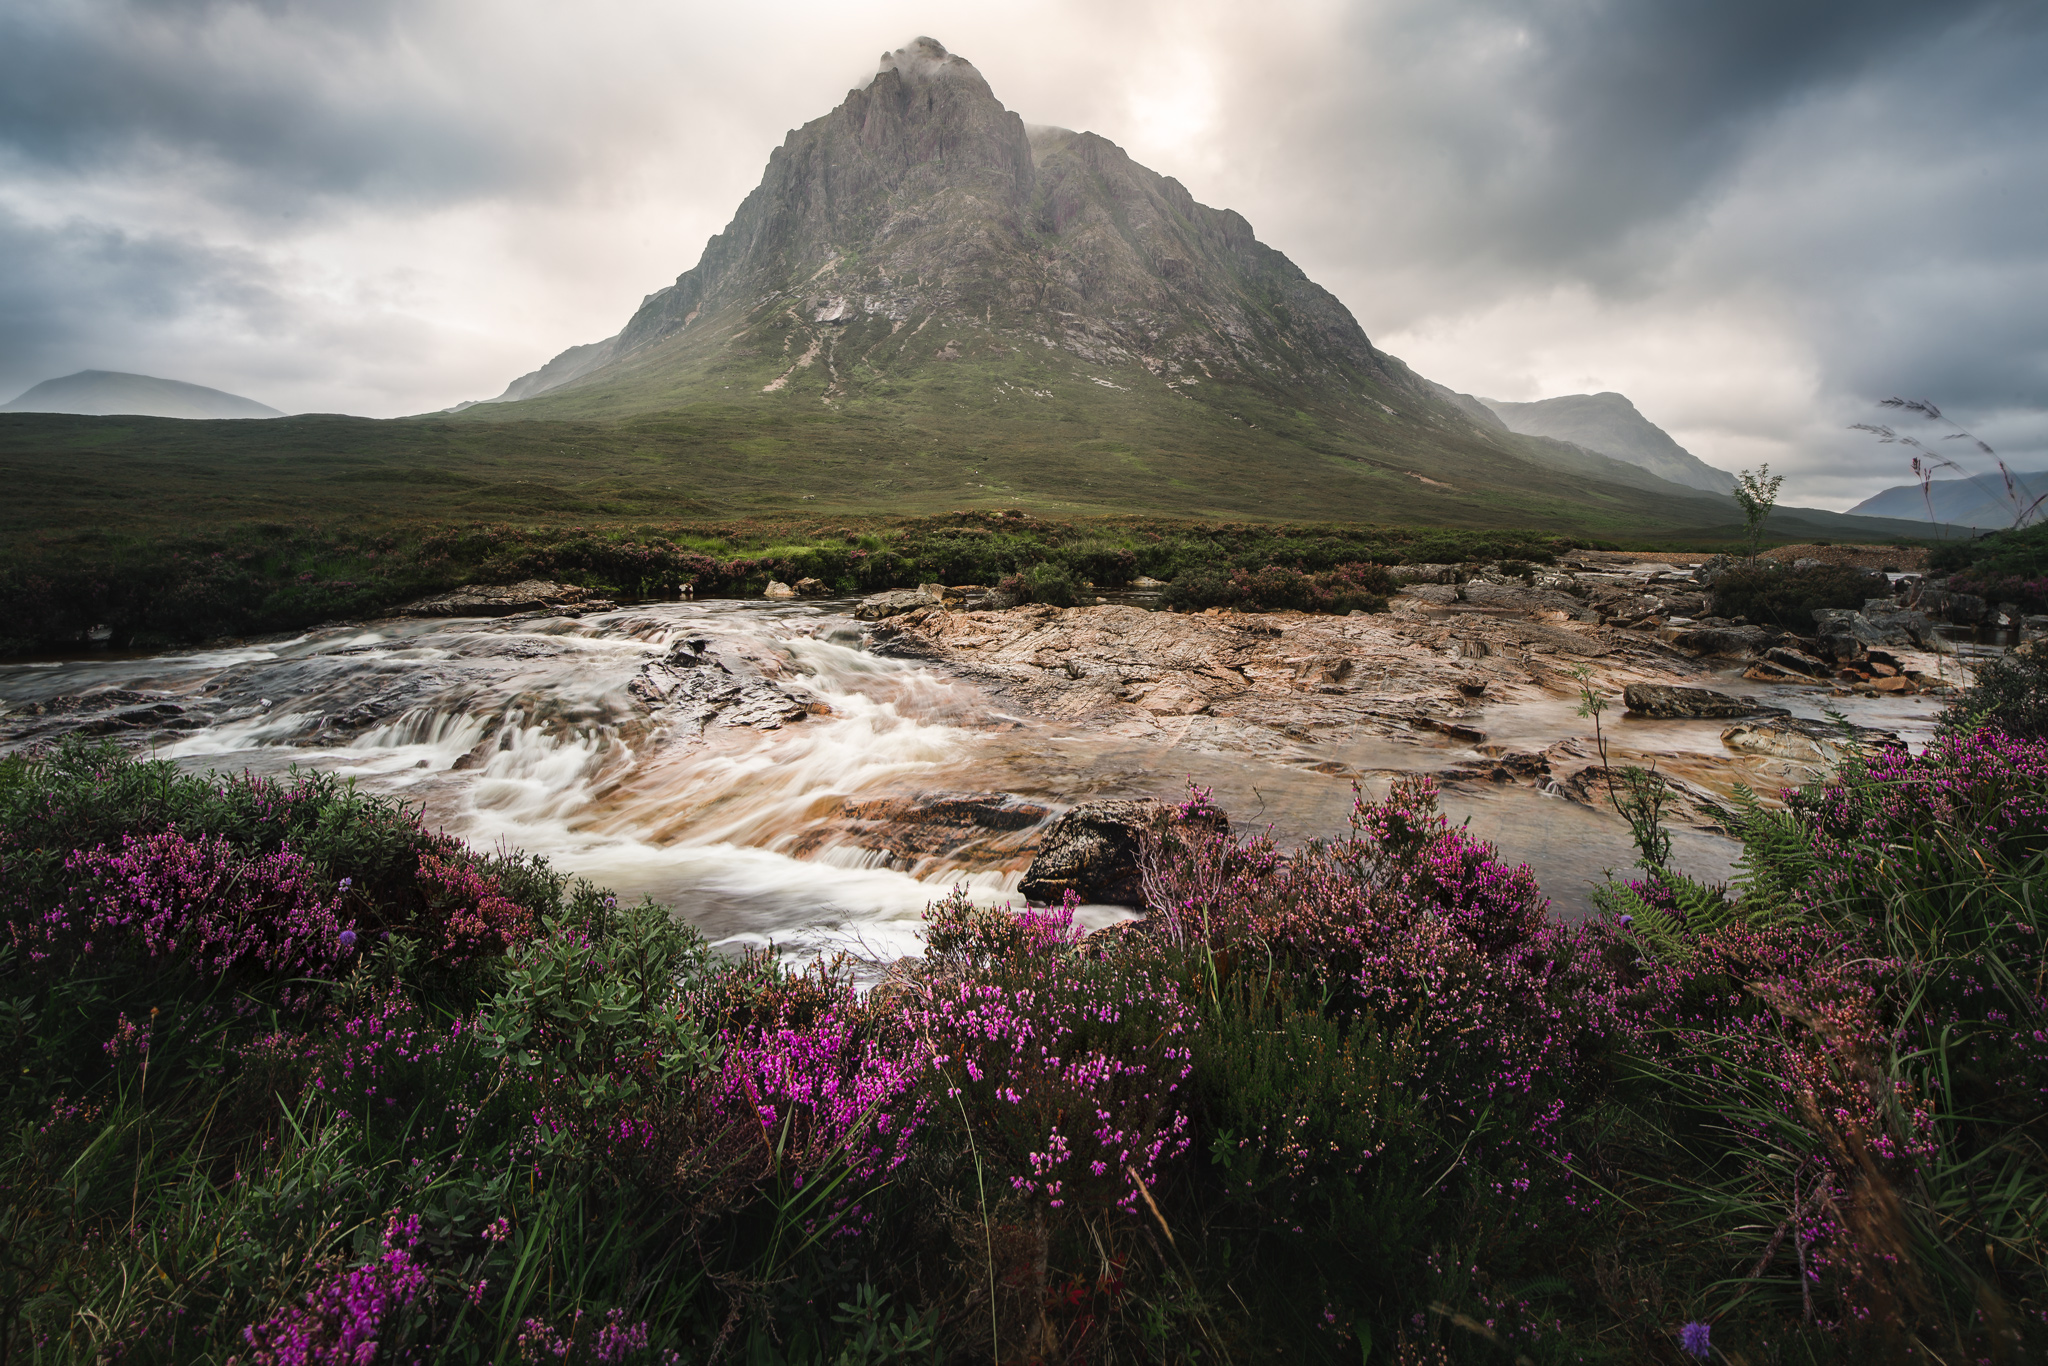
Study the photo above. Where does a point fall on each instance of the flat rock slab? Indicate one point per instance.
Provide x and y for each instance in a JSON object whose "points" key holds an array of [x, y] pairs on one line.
{"points": [[883, 605], [1665, 703], [1789, 737], [505, 600]]}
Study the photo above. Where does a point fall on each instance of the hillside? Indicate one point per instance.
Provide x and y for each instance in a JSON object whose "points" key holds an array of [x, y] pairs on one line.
{"points": [[1608, 424], [110, 392]]}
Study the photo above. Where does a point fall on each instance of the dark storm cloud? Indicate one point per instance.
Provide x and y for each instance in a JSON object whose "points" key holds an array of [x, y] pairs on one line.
{"points": [[282, 98], [67, 282]]}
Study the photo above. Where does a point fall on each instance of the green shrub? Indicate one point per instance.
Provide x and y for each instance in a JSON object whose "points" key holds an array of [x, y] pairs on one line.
{"points": [[1047, 583], [2009, 694], [1788, 597], [1346, 588]]}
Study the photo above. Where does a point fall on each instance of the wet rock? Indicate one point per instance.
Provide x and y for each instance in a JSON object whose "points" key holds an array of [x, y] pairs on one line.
{"points": [[1796, 661], [504, 600], [883, 605], [1457, 730], [812, 588], [1900, 627], [1094, 851], [980, 829], [1735, 642], [1790, 737], [1518, 598], [1665, 703], [697, 687], [1449, 574]]}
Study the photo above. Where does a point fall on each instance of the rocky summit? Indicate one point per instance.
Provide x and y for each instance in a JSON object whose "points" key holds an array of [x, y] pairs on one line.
{"points": [[921, 203]]}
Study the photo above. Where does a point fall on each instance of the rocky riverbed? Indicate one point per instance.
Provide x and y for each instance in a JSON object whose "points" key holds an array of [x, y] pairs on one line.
{"points": [[814, 772]]}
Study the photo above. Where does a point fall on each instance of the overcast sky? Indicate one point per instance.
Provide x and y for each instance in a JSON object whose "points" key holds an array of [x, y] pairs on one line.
{"points": [[1755, 218]]}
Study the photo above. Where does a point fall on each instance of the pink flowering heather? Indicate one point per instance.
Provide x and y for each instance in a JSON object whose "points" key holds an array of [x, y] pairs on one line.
{"points": [[347, 1318], [586, 1340], [1073, 1077], [825, 1094], [475, 916], [167, 899]]}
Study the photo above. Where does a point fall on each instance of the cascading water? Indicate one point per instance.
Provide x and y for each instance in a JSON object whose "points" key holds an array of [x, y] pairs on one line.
{"points": [[544, 736]]}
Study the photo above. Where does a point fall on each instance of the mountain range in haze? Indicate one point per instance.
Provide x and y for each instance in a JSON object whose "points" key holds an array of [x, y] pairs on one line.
{"points": [[1980, 501], [109, 393]]}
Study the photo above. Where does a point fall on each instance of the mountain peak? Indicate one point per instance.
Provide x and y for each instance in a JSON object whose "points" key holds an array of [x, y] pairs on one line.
{"points": [[1609, 424], [924, 61], [921, 203]]}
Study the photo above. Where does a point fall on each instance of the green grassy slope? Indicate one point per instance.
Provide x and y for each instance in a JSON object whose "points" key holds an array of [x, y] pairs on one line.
{"points": [[951, 439]]}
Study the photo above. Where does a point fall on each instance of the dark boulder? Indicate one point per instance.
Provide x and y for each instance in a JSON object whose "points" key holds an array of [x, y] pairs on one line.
{"points": [[1738, 642], [1093, 850], [1664, 703]]}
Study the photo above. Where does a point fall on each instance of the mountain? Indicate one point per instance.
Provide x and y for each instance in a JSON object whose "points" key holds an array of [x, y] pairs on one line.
{"points": [[110, 392], [1979, 501], [926, 306], [1609, 424], [1028, 314]]}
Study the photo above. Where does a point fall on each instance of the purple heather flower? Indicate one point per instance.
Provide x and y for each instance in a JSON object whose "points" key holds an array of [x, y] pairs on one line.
{"points": [[1692, 1339]]}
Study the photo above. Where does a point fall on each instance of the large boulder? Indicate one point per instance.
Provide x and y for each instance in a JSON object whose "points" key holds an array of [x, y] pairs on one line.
{"points": [[881, 605], [1093, 851], [1737, 642], [1665, 703]]}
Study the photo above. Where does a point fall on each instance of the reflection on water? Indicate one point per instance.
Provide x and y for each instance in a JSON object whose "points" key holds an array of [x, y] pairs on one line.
{"points": [[530, 733]]}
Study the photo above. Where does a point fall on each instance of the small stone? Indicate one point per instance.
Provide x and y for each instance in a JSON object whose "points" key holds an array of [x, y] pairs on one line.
{"points": [[778, 589]]}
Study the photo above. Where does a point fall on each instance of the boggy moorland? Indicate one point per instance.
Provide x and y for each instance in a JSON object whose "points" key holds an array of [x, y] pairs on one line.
{"points": [[296, 1077]]}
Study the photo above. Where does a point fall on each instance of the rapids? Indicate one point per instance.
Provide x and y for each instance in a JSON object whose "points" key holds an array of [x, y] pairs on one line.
{"points": [[789, 803]]}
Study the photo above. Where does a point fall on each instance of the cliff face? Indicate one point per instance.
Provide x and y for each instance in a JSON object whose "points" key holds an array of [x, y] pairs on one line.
{"points": [[921, 198]]}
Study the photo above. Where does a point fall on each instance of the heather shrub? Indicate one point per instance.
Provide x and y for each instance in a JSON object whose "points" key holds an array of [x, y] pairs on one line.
{"points": [[1340, 589], [1066, 1070], [1047, 582], [2010, 694], [1770, 593]]}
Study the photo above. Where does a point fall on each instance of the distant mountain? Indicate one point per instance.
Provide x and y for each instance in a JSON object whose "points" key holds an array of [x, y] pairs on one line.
{"points": [[1979, 501], [96, 393], [1609, 424]]}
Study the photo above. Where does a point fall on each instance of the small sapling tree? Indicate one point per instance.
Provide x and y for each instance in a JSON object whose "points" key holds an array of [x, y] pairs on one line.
{"points": [[1757, 491]]}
